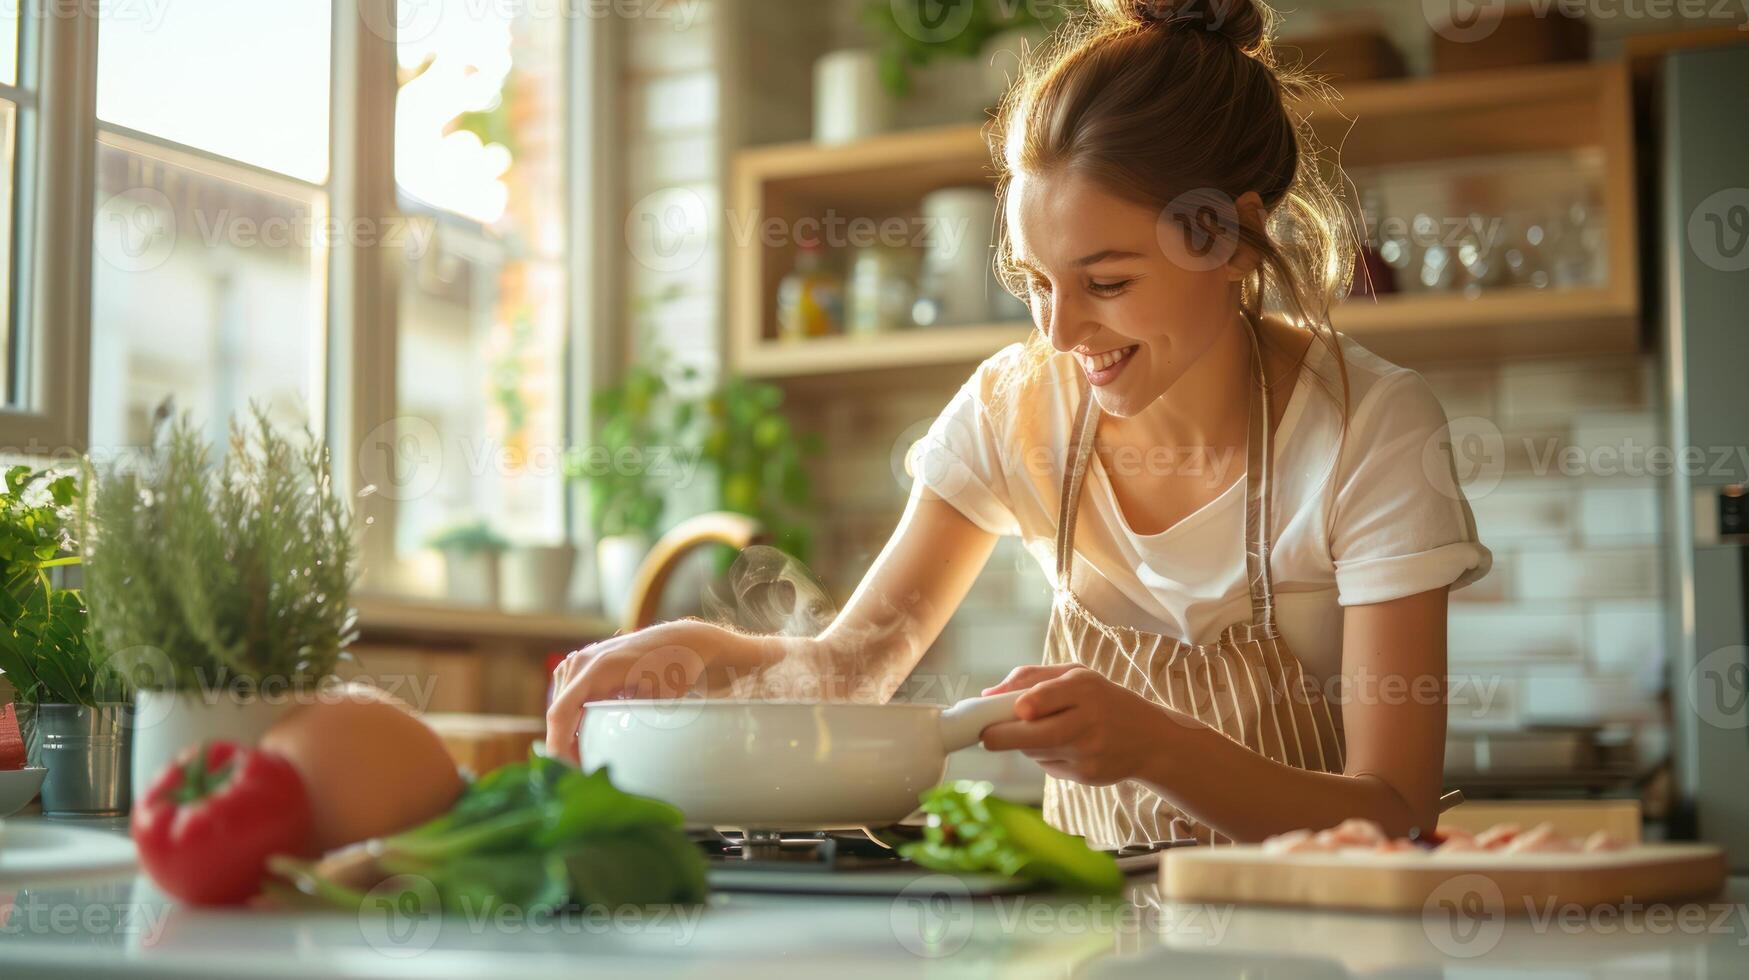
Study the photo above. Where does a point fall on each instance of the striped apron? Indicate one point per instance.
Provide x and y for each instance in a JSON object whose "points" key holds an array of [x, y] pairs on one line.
{"points": [[1247, 684]]}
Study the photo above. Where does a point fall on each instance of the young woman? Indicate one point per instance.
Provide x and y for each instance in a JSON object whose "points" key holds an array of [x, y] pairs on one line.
{"points": [[1251, 524]]}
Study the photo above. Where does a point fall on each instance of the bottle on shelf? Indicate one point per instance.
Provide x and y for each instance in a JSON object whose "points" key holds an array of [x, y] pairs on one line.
{"points": [[810, 300]]}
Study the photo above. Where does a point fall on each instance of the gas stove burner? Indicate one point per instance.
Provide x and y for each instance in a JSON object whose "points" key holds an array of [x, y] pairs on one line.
{"points": [[864, 861], [827, 849], [768, 845]]}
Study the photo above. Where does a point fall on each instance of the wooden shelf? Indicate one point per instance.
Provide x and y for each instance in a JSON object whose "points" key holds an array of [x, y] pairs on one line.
{"points": [[383, 615], [1582, 108], [1418, 327], [921, 347]]}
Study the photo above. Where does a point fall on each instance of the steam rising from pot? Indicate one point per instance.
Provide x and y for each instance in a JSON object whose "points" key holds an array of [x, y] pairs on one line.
{"points": [[768, 592]]}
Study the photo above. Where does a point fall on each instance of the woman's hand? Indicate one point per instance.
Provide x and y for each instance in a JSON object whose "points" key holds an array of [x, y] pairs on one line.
{"points": [[667, 660], [1079, 725]]}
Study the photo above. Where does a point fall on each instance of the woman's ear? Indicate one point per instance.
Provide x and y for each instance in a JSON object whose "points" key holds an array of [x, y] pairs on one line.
{"points": [[1252, 216]]}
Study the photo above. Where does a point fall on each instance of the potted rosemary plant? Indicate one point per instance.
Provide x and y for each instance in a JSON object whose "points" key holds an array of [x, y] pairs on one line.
{"points": [[221, 586], [72, 707]]}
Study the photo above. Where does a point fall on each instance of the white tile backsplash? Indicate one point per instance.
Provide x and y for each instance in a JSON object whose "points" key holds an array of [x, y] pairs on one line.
{"points": [[1594, 573], [1619, 516], [1628, 638], [1514, 634]]}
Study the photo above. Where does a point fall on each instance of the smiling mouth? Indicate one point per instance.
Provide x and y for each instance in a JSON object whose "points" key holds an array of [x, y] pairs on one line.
{"points": [[1102, 368]]}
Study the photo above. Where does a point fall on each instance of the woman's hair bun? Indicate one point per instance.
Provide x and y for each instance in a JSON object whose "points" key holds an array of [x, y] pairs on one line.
{"points": [[1239, 21]]}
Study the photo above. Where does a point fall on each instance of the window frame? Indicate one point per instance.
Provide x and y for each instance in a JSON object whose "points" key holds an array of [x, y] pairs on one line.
{"points": [[54, 174]]}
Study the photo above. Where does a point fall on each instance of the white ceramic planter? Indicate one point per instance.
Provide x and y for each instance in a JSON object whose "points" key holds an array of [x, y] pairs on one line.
{"points": [[166, 722], [617, 558], [471, 577], [535, 578], [849, 101]]}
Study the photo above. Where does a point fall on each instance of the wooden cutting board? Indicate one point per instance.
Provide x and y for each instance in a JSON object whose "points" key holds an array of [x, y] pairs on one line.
{"points": [[1509, 884], [482, 743]]}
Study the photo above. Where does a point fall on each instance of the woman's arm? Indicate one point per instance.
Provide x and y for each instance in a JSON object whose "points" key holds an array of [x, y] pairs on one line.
{"points": [[1081, 726], [897, 611], [906, 597]]}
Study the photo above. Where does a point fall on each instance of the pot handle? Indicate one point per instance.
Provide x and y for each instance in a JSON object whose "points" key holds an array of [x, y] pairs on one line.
{"points": [[962, 723]]}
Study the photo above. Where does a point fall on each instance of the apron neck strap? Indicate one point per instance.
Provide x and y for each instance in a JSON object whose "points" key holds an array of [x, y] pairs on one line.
{"points": [[1259, 454]]}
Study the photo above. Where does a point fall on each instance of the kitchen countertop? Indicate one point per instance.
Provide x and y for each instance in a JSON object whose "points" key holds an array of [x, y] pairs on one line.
{"points": [[119, 925]]}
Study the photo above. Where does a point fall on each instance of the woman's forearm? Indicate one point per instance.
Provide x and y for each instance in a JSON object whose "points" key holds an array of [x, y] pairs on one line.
{"points": [[1246, 796]]}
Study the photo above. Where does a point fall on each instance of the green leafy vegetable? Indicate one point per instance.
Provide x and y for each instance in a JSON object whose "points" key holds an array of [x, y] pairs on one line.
{"points": [[971, 830], [531, 836]]}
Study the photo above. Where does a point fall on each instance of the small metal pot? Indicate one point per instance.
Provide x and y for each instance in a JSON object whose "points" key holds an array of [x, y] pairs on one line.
{"points": [[88, 753]]}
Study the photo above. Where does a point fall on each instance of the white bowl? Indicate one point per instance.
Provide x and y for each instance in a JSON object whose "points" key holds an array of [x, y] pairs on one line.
{"points": [[18, 787]]}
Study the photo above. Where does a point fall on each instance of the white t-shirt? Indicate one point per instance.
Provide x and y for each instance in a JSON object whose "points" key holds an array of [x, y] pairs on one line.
{"points": [[1400, 524]]}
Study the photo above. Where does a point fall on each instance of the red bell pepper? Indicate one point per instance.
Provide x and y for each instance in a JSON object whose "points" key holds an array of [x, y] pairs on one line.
{"points": [[212, 819]]}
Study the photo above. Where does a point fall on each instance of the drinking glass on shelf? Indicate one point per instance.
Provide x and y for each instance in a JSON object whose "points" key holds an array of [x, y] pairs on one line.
{"points": [[1576, 249], [1525, 236], [1479, 254], [1437, 268]]}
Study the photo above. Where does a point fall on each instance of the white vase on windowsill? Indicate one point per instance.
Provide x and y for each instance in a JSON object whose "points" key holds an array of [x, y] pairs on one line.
{"points": [[617, 557], [535, 578], [470, 576]]}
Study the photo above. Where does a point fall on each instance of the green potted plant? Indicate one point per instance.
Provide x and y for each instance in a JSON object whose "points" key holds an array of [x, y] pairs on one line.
{"points": [[470, 561], [73, 707], [917, 34], [220, 587], [760, 462], [638, 426]]}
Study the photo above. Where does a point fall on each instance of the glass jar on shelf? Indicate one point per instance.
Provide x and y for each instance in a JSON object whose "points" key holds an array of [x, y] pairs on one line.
{"points": [[810, 300], [883, 289]]}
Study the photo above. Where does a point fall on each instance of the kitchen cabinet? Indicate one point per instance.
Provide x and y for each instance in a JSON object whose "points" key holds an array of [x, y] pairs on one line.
{"points": [[1490, 130]]}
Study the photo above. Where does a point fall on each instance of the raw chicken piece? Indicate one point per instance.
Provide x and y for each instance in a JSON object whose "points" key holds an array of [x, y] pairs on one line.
{"points": [[1286, 843], [1497, 836], [1355, 832], [1458, 845], [1310, 844], [1540, 839], [1447, 836], [1396, 845], [1601, 841]]}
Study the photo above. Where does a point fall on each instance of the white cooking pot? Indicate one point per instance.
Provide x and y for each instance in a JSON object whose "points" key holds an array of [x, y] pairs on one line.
{"points": [[783, 765]]}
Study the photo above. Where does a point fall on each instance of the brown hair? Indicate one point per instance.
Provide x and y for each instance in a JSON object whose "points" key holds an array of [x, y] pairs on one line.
{"points": [[1155, 99]]}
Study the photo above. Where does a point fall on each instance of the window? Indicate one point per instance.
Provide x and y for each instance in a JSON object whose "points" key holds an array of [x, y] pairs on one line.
{"points": [[212, 152], [209, 257], [479, 168]]}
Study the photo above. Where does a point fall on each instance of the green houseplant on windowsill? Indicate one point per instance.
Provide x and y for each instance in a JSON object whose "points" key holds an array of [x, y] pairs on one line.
{"points": [[221, 586], [68, 695], [635, 423]]}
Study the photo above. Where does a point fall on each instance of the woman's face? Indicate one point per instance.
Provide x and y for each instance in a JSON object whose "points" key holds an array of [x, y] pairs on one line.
{"points": [[1124, 287]]}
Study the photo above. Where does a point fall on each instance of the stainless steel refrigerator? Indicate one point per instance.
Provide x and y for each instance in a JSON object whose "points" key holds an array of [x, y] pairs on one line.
{"points": [[1701, 103]]}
